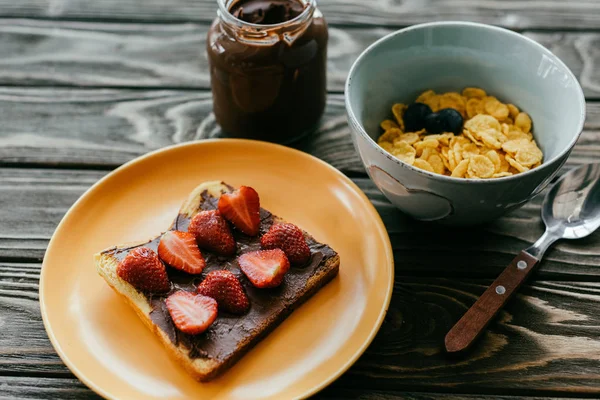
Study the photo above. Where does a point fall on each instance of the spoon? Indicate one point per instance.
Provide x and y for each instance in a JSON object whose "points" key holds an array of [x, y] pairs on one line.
{"points": [[571, 210]]}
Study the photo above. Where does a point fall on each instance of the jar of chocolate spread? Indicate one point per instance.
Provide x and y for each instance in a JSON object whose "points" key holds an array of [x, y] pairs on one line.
{"points": [[268, 68]]}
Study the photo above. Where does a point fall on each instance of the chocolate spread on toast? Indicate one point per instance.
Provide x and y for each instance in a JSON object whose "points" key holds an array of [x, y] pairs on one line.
{"points": [[229, 331]]}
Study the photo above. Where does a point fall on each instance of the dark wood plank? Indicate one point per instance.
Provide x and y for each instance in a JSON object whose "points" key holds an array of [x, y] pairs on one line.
{"points": [[577, 14], [24, 345], [13, 387], [72, 389], [421, 249], [134, 55], [172, 55], [342, 394], [32, 208], [107, 127], [545, 327], [544, 342], [337, 392]]}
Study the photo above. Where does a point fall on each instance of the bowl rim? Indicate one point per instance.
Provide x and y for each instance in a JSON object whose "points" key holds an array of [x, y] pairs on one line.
{"points": [[544, 166]]}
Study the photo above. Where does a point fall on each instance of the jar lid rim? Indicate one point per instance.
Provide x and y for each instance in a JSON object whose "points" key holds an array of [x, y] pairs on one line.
{"points": [[223, 12]]}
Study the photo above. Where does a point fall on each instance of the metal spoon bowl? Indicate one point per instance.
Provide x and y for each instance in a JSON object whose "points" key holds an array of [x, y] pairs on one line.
{"points": [[571, 210]]}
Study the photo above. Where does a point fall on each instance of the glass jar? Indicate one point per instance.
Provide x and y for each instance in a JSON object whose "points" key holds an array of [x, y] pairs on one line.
{"points": [[268, 80]]}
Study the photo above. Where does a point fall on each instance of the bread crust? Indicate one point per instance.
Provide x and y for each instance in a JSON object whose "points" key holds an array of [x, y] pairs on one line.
{"points": [[205, 369]]}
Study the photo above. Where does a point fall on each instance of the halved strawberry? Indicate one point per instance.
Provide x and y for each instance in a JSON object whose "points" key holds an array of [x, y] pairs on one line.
{"points": [[212, 232], [226, 289], [242, 209], [191, 313], [265, 268], [290, 239], [180, 251], [144, 271]]}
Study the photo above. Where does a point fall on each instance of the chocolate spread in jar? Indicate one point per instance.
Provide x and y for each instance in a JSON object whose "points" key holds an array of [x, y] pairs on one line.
{"points": [[266, 12], [268, 68]]}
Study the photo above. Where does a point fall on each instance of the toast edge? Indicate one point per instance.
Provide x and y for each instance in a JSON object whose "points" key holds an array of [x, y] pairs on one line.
{"points": [[200, 369]]}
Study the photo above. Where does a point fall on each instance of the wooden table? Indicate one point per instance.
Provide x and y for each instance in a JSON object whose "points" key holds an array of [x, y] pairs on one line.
{"points": [[86, 85]]}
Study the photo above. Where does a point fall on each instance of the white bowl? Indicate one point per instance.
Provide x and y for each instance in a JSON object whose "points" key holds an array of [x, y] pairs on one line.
{"points": [[446, 56]]}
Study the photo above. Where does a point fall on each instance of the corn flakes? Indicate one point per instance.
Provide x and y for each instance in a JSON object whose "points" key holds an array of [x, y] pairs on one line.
{"points": [[405, 152], [472, 92], [387, 146], [482, 122], [512, 110], [496, 109], [419, 146], [480, 167], [469, 150], [496, 139], [410, 137], [431, 99], [388, 124], [512, 146], [528, 156], [453, 100], [461, 169], [474, 106], [390, 135], [504, 165], [516, 165], [515, 134], [428, 152], [523, 122], [437, 164], [453, 159], [420, 163], [398, 111], [495, 159]]}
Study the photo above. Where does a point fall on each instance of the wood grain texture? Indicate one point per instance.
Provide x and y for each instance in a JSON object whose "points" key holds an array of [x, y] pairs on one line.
{"points": [[37, 52], [34, 388], [91, 54], [421, 249], [336, 393], [545, 327], [71, 389], [24, 345], [34, 207], [107, 127], [516, 14], [545, 341]]}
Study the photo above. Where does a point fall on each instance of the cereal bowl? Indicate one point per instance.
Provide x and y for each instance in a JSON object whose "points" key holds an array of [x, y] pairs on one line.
{"points": [[449, 56]]}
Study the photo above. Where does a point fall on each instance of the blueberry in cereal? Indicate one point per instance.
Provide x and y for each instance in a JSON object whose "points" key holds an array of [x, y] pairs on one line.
{"points": [[468, 134], [414, 116], [445, 120]]}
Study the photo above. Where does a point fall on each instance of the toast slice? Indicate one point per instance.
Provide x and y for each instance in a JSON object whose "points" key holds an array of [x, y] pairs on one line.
{"points": [[207, 355]]}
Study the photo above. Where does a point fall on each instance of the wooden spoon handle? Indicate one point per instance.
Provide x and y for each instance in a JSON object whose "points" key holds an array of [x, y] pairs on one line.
{"points": [[472, 324]]}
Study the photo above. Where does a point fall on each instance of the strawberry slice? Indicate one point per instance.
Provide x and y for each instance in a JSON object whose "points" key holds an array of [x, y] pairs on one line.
{"points": [[226, 289], [289, 238], [212, 232], [144, 271], [242, 209], [179, 250], [191, 313], [265, 268]]}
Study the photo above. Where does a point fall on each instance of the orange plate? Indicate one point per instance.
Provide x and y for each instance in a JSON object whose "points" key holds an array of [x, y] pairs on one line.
{"points": [[105, 344]]}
